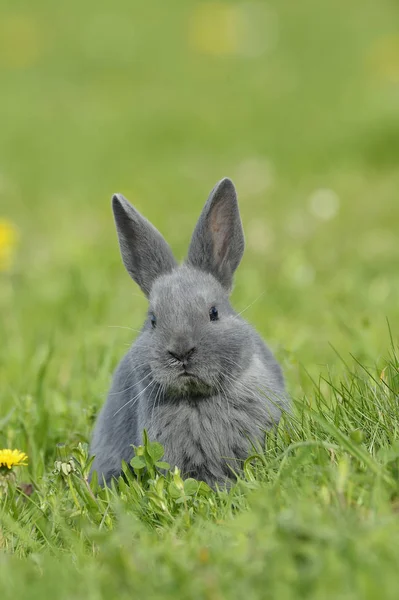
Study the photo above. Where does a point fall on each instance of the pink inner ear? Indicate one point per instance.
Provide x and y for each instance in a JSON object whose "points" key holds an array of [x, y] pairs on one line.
{"points": [[220, 233]]}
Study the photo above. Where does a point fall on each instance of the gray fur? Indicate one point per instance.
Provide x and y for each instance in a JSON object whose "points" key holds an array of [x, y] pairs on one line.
{"points": [[217, 244], [145, 253], [206, 421]]}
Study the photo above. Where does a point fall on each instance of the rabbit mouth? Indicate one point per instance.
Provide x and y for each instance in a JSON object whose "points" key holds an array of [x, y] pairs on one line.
{"points": [[188, 375], [190, 383]]}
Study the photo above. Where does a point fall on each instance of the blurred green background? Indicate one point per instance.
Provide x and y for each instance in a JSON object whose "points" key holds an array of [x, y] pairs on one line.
{"points": [[297, 102]]}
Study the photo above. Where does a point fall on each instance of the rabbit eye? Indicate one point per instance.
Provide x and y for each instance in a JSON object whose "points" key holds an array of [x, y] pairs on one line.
{"points": [[153, 320], [213, 313]]}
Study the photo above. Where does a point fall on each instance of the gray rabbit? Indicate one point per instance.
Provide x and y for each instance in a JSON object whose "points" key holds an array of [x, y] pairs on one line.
{"points": [[198, 378]]}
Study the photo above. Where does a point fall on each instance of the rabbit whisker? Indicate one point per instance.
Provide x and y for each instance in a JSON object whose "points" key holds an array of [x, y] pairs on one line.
{"points": [[219, 389], [260, 393], [222, 392], [135, 397], [157, 395], [238, 384], [123, 327], [130, 386], [249, 305]]}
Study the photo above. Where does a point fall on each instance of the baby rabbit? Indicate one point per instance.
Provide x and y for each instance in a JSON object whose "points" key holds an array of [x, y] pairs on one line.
{"points": [[198, 378]]}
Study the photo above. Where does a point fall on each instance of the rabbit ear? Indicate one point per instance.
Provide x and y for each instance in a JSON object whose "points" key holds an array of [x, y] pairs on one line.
{"points": [[144, 251], [217, 244]]}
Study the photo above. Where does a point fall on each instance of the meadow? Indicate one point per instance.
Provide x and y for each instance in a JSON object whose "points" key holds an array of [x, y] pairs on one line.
{"points": [[298, 104]]}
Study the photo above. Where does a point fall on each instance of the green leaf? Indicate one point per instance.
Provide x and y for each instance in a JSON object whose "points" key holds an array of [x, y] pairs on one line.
{"points": [[180, 500], [145, 438], [162, 465], [155, 450], [190, 487], [174, 491], [87, 467], [137, 462], [85, 494], [94, 482], [159, 485], [388, 454], [157, 501], [127, 471], [357, 436], [203, 489]]}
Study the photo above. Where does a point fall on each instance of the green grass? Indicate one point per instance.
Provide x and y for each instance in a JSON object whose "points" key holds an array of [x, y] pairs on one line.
{"points": [[159, 101]]}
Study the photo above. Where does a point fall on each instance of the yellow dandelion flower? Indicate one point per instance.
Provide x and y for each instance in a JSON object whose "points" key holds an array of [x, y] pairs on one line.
{"points": [[8, 241], [12, 458]]}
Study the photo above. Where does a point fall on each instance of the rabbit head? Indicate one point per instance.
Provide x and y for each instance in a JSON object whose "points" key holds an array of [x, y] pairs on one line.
{"points": [[192, 339]]}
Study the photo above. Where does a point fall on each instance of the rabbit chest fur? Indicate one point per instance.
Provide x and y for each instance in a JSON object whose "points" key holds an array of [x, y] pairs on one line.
{"points": [[208, 437], [198, 378]]}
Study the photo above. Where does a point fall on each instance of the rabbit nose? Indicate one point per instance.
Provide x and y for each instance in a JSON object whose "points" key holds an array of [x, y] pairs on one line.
{"points": [[182, 356]]}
